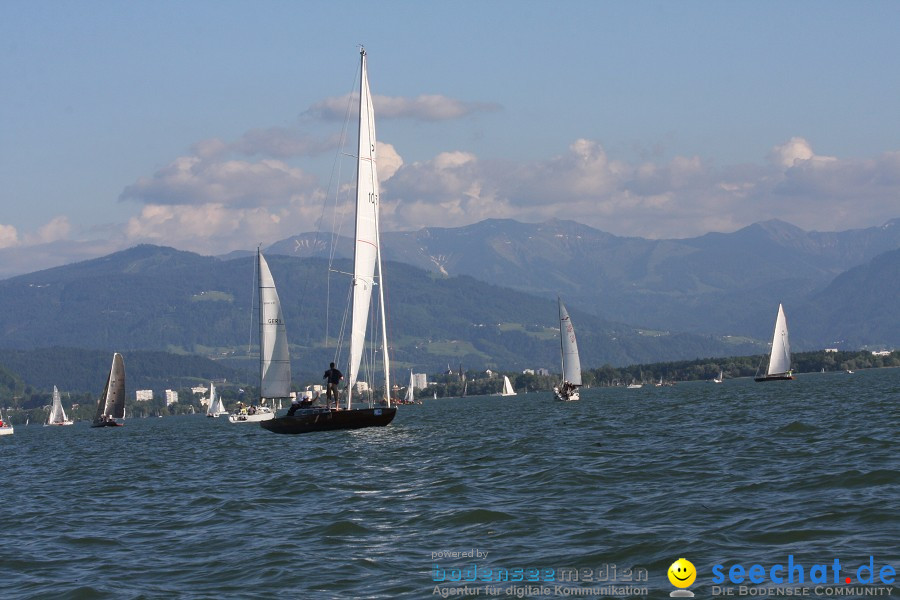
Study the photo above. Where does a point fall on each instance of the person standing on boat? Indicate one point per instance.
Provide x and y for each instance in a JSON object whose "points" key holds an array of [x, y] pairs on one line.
{"points": [[333, 377]]}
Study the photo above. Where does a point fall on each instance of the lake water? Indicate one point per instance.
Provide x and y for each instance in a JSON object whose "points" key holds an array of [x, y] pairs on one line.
{"points": [[620, 482]]}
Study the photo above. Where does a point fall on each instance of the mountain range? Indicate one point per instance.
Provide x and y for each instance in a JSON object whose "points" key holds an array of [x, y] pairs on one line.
{"points": [[716, 284], [484, 295]]}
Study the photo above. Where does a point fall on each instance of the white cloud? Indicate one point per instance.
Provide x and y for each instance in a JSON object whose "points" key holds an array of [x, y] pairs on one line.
{"points": [[58, 228], [680, 198], [389, 161], [797, 152], [430, 107], [211, 203], [217, 229], [191, 180], [9, 236]]}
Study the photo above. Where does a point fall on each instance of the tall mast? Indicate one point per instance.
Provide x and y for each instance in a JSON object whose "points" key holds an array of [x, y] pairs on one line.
{"points": [[562, 349], [262, 317]]}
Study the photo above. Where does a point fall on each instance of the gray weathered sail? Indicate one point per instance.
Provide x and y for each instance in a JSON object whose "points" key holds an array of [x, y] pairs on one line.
{"points": [[274, 356], [571, 363]]}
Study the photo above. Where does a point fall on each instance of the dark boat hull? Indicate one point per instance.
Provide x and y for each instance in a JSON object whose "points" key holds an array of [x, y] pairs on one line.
{"points": [[106, 424], [774, 378], [308, 421]]}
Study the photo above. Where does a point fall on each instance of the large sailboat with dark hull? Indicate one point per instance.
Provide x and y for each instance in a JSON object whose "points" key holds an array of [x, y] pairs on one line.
{"points": [[365, 411]]}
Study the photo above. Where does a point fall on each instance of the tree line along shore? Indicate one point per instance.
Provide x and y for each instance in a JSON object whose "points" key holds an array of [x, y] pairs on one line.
{"points": [[24, 402]]}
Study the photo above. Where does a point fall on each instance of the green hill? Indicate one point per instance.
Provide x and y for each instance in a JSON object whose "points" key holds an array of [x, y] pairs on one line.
{"points": [[153, 298]]}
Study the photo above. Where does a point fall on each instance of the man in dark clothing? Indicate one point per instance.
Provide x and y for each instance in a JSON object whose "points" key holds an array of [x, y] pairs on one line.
{"points": [[333, 377], [295, 405]]}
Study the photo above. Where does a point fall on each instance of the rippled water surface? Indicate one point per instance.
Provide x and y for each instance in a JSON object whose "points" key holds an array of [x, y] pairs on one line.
{"points": [[190, 507]]}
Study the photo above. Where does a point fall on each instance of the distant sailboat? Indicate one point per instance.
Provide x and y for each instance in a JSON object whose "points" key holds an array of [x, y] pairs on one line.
{"points": [[366, 259], [780, 357], [216, 407], [507, 387], [57, 413], [274, 356], [567, 391], [410, 397], [111, 405], [6, 428], [720, 378]]}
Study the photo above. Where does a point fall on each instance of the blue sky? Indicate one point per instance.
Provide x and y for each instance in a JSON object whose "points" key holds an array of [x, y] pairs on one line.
{"points": [[212, 126]]}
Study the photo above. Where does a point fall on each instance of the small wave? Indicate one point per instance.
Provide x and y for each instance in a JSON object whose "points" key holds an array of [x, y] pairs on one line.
{"points": [[478, 515], [797, 427], [345, 528]]}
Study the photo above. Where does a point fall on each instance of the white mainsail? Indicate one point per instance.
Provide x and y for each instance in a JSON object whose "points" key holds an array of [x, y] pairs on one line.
{"points": [[112, 402], [274, 356], [780, 359], [410, 390], [507, 387], [216, 406], [571, 364], [366, 254], [57, 412]]}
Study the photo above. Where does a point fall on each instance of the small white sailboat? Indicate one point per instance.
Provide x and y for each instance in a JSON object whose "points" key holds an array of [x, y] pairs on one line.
{"points": [[366, 259], [6, 428], [507, 387], [57, 413], [720, 378], [215, 408], [567, 391], [780, 358], [274, 355], [111, 405], [410, 397]]}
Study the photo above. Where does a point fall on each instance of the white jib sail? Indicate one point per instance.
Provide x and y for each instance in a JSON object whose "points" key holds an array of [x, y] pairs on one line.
{"points": [[780, 360], [274, 356], [571, 364]]}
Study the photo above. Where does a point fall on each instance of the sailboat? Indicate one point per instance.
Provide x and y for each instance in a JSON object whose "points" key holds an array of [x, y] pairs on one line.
{"points": [[216, 407], [6, 427], [567, 391], [507, 387], [111, 405], [274, 356], [780, 358], [57, 412], [720, 378], [366, 257], [410, 397]]}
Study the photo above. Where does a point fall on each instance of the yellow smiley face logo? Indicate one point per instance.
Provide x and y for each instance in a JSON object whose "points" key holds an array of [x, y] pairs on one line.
{"points": [[682, 573]]}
